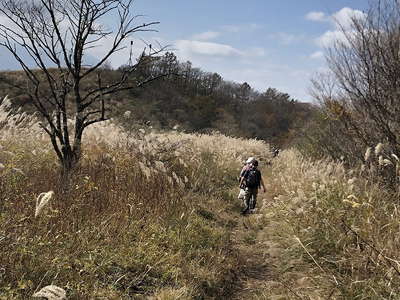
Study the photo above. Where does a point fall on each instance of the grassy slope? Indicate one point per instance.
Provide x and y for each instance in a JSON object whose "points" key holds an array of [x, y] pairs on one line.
{"points": [[144, 216], [156, 215], [325, 233]]}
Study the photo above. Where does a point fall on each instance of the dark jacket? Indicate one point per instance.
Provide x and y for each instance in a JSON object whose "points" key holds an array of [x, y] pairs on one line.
{"points": [[252, 178]]}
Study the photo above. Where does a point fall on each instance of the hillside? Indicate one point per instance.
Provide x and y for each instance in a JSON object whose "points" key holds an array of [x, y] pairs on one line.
{"points": [[191, 99], [122, 183], [150, 215]]}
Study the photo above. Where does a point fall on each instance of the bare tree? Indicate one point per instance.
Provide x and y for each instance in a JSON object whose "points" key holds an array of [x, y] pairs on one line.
{"points": [[58, 36], [365, 65]]}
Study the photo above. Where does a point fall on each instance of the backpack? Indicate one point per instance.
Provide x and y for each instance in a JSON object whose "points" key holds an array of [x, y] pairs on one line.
{"points": [[253, 178], [243, 171]]}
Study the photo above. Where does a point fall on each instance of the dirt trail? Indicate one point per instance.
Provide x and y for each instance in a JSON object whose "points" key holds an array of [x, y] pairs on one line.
{"points": [[251, 241]]}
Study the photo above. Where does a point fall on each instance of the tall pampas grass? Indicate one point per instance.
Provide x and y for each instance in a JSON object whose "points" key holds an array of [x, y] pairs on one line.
{"points": [[163, 178], [378, 149], [42, 200], [51, 292], [367, 154], [350, 222], [16, 123]]}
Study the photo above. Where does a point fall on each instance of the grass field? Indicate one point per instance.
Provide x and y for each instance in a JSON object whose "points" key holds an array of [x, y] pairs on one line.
{"points": [[154, 215], [141, 216]]}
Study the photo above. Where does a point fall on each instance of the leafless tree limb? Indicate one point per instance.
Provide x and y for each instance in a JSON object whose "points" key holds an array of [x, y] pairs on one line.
{"points": [[57, 34]]}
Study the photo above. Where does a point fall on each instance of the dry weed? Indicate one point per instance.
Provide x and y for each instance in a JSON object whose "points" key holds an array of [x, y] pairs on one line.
{"points": [[136, 216], [345, 225]]}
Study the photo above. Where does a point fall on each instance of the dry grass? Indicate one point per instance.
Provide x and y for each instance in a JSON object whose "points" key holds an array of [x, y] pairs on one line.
{"points": [[140, 218], [335, 231], [143, 218]]}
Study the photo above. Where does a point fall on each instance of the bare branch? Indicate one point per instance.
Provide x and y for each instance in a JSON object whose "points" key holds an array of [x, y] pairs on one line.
{"points": [[57, 35]]}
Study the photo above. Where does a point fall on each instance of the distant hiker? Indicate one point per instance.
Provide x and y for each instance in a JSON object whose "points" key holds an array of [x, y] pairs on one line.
{"points": [[247, 166], [252, 181], [275, 152]]}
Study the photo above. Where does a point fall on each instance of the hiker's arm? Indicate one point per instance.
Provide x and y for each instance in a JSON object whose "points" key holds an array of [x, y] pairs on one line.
{"points": [[262, 184], [241, 181], [241, 174], [243, 177]]}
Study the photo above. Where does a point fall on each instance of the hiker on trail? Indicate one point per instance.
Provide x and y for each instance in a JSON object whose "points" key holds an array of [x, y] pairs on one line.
{"points": [[275, 151], [252, 181], [247, 166]]}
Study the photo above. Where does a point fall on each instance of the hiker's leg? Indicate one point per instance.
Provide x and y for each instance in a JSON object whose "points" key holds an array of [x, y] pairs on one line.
{"points": [[251, 199], [254, 198], [246, 201]]}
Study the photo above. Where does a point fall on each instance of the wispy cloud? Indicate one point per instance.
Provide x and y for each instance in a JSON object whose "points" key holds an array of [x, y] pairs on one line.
{"points": [[317, 55], [191, 47], [205, 36], [317, 16]]}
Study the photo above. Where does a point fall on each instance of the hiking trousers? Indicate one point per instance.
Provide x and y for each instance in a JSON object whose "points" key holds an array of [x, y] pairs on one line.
{"points": [[250, 198]]}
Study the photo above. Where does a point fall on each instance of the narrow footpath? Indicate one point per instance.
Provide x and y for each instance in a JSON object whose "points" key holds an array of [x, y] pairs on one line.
{"points": [[250, 239], [269, 270]]}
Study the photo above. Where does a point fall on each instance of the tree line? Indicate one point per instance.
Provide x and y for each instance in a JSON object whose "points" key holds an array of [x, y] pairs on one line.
{"points": [[200, 101], [192, 100], [71, 94]]}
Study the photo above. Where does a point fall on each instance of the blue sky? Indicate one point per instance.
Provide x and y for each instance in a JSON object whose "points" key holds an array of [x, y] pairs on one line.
{"points": [[267, 43]]}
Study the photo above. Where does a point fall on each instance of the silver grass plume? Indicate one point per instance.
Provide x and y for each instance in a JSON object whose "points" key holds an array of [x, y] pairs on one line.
{"points": [[51, 292], [367, 154], [380, 160], [42, 200], [387, 162], [378, 149]]}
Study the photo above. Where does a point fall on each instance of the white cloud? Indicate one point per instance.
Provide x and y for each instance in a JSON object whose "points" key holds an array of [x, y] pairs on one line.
{"points": [[340, 19], [317, 55], [317, 16], [343, 18], [205, 36], [189, 47], [341, 22], [329, 38]]}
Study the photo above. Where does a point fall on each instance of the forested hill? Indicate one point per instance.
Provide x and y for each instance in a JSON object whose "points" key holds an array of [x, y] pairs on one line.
{"points": [[197, 101]]}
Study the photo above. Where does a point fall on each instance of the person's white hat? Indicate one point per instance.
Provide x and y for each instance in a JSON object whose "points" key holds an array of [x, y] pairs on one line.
{"points": [[250, 160]]}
